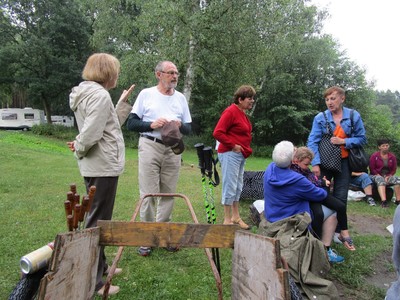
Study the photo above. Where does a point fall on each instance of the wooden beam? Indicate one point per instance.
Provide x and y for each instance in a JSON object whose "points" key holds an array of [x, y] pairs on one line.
{"points": [[157, 234]]}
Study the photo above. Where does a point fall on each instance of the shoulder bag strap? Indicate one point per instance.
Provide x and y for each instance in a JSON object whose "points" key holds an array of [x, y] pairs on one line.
{"points": [[328, 126], [351, 120]]}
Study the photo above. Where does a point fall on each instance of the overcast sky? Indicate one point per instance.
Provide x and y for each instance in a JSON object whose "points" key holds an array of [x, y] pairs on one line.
{"points": [[369, 32]]}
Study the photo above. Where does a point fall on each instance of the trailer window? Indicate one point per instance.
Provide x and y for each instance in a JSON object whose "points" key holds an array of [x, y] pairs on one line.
{"points": [[29, 116], [9, 116]]}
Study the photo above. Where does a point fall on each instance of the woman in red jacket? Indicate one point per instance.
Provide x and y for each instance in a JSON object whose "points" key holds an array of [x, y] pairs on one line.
{"points": [[233, 132]]}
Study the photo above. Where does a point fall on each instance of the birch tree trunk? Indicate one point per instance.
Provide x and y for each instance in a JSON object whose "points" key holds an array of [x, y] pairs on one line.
{"points": [[188, 84]]}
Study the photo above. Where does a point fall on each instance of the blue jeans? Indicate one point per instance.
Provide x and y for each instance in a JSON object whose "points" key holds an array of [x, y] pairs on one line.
{"points": [[361, 181], [232, 165]]}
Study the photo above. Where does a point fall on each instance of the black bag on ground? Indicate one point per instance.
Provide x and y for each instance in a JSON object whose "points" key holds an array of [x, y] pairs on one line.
{"points": [[358, 159], [330, 154]]}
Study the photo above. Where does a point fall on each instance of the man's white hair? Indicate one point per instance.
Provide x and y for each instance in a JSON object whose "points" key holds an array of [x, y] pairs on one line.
{"points": [[283, 154]]}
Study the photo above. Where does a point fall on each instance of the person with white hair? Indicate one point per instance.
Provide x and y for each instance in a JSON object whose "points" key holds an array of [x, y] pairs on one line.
{"points": [[287, 197], [286, 192]]}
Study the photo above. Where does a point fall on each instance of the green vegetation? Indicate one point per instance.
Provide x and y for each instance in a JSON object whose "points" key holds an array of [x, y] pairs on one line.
{"points": [[276, 46], [35, 176]]}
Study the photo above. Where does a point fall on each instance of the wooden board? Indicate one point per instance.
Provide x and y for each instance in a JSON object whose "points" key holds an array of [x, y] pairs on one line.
{"points": [[73, 266], [257, 271], [115, 233]]}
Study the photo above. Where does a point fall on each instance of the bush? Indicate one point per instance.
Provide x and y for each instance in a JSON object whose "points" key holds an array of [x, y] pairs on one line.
{"points": [[131, 138], [262, 151], [58, 131], [191, 140]]}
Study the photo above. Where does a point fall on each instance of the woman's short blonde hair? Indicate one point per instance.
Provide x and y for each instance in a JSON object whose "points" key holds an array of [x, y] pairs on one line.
{"points": [[101, 68], [302, 153], [333, 89]]}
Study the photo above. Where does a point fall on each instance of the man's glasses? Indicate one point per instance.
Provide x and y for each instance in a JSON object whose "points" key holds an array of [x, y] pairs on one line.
{"points": [[171, 73]]}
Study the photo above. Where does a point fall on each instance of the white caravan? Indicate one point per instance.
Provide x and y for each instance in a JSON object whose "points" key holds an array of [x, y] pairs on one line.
{"points": [[63, 120], [20, 118]]}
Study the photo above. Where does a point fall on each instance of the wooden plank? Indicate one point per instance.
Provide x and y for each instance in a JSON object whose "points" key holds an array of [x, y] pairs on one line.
{"points": [[257, 271], [73, 266], [152, 234]]}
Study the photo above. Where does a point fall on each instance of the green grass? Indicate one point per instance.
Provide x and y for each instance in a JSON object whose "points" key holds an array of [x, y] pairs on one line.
{"points": [[35, 176]]}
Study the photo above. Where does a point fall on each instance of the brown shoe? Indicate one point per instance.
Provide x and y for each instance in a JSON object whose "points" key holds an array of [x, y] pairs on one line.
{"points": [[116, 272], [242, 224], [111, 291]]}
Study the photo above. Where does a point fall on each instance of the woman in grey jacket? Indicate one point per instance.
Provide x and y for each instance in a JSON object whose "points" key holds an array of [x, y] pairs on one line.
{"points": [[99, 147]]}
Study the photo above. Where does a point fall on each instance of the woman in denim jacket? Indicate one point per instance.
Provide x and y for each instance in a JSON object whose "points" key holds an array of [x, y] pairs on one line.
{"points": [[338, 118]]}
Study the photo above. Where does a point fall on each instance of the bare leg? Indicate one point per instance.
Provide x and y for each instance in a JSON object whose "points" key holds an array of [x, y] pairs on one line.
{"points": [[236, 217], [235, 210], [227, 214], [368, 190], [382, 192], [397, 191], [328, 230], [345, 233]]}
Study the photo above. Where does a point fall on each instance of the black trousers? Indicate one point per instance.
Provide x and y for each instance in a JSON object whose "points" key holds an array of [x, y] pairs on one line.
{"points": [[101, 209], [318, 216]]}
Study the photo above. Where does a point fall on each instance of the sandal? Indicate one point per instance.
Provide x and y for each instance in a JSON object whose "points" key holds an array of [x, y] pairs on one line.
{"points": [[347, 242], [242, 224]]}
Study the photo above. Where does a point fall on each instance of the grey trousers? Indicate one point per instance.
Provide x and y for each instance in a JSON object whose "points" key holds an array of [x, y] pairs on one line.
{"points": [[158, 173]]}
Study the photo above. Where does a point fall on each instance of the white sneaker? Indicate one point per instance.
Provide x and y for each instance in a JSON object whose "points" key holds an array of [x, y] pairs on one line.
{"points": [[336, 238], [111, 291], [371, 201]]}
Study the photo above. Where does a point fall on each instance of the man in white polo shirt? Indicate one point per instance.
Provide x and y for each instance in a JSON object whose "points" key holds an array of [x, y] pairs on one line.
{"points": [[159, 112]]}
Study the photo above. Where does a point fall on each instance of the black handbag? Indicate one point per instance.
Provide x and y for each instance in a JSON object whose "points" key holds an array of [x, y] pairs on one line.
{"points": [[330, 154], [358, 159]]}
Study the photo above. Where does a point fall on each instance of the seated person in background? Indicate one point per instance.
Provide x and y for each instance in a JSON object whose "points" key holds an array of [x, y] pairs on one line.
{"points": [[321, 210], [287, 193], [363, 181], [383, 167]]}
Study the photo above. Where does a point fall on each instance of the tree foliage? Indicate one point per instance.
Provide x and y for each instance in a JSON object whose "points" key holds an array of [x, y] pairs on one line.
{"points": [[48, 48], [392, 100], [274, 45]]}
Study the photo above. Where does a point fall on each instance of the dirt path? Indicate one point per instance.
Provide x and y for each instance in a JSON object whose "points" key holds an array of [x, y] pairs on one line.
{"points": [[382, 275]]}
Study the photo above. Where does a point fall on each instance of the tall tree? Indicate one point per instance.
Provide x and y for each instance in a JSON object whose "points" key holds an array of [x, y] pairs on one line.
{"points": [[49, 49], [7, 36], [392, 100]]}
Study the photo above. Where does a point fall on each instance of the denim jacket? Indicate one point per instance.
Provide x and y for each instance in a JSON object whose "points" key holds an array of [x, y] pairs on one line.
{"points": [[355, 138]]}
